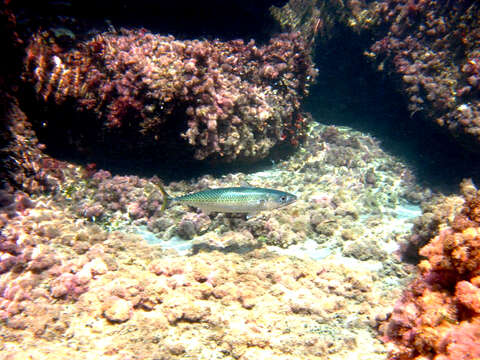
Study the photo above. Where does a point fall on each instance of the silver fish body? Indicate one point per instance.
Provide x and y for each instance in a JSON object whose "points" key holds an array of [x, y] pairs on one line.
{"points": [[249, 200]]}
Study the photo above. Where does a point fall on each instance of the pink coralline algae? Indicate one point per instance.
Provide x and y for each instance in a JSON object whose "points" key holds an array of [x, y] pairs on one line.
{"points": [[118, 193], [233, 99], [433, 49], [438, 317], [429, 49], [34, 272], [28, 167], [121, 297]]}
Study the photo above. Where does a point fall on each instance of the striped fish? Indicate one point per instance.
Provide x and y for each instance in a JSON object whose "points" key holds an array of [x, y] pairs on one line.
{"points": [[250, 200]]}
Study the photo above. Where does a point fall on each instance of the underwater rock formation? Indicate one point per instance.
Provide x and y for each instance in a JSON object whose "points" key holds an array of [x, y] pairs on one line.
{"points": [[439, 315], [345, 174], [430, 49], [65, 282], [23, 164], [228, 100], [437, 214]]}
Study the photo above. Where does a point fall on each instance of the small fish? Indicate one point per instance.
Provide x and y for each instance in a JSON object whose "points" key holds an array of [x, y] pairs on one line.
{"points": [[250, 200]]}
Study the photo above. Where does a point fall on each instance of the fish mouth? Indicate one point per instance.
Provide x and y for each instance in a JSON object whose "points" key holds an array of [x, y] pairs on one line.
{"points": [[291, 200]]}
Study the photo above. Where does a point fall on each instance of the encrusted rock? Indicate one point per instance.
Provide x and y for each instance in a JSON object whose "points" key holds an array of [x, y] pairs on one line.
{"points": [[117, 310]]}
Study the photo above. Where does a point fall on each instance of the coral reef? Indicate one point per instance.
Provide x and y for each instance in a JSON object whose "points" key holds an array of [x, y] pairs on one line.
{"points": [[25, 164], [317, 20], [65, 283], [77, 275], [429, 49], [339, 174], [20, 153], [36, 274], [230, 99], [434, 50], [303, 281], [437, 214], [439, 315]]}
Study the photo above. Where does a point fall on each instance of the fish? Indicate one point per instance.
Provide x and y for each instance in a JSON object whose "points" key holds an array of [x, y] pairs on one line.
{"points": [[249, 200]]}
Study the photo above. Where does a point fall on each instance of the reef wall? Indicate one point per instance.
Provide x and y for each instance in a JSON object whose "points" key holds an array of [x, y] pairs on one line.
{"points": [[438, 316], [430, 50], [228, 100], [23, 164]]}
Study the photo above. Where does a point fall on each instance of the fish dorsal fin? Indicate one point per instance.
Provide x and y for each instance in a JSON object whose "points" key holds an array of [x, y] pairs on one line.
{"points": [[245, 183]]}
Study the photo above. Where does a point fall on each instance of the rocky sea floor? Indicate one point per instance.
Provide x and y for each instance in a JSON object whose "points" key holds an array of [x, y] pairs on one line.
{"points": [[99, 272]]}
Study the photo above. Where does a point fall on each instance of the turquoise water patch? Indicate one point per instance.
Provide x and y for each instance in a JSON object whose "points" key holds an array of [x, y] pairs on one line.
{"points": [[176, 243], [403, 214], [309, 249], [407, 211]]}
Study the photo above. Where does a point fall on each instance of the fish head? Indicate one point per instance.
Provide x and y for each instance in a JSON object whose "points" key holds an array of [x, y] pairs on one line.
{"points": [[277, 199]]}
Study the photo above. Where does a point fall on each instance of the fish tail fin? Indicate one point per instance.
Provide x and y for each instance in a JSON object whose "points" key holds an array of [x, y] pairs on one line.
{"points": [[166, 197]]}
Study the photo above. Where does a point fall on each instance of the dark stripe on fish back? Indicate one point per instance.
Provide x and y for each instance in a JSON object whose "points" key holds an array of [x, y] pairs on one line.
{"points": [[233, 194], [237, 199]]}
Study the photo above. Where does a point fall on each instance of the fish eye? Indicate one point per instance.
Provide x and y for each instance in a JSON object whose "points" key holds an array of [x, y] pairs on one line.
{"points": [[283, 198]]}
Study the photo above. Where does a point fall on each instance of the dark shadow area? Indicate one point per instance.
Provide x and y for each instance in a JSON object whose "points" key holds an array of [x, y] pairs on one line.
{"points": [[350, 92], [185, 19], [77, 137]]}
